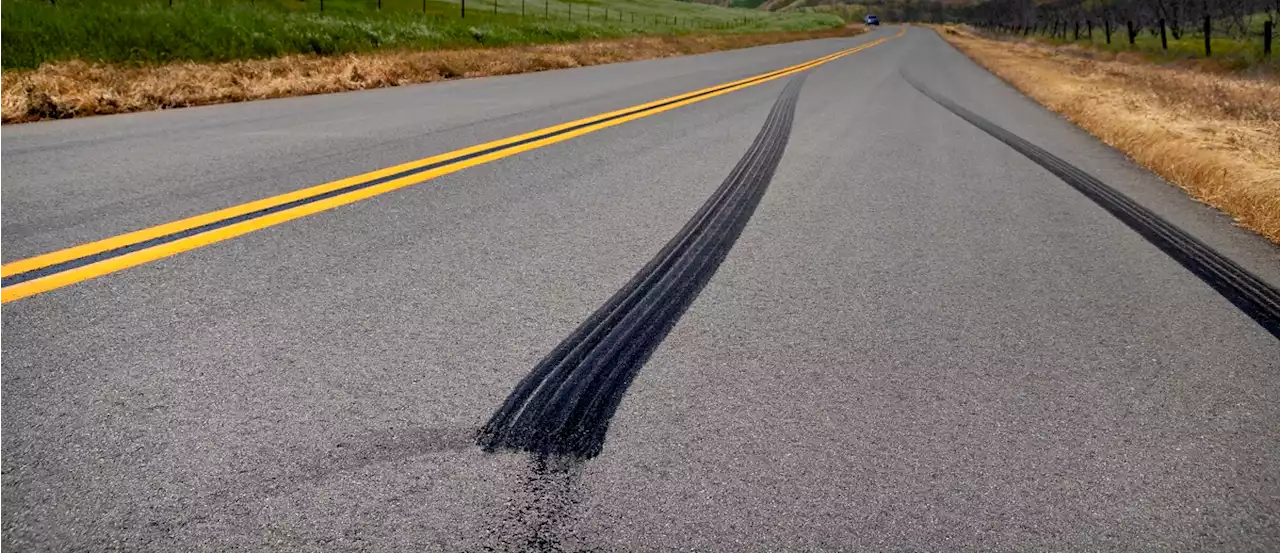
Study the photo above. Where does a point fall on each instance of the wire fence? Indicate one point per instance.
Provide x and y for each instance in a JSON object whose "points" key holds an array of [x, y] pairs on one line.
{"points": [[1077, 30], [488, 9], [1237, 29]]}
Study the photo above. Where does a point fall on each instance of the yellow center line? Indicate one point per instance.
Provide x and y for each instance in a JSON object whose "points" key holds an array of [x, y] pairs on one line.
{"points": [[113, 264]]}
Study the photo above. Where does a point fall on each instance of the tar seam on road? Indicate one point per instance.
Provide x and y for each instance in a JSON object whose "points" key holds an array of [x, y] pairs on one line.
{"points": [[564, 405], [1250, 294]]}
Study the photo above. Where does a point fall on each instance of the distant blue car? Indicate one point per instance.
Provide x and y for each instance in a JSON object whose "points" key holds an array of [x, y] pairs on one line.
{"points": [[871, 20]]}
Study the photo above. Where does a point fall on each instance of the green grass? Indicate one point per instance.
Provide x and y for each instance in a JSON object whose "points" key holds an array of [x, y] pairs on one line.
{"points": [[150, 31], [847, 12]]}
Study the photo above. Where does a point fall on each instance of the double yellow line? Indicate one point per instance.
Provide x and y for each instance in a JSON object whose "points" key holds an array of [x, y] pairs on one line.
{"points": [[61, 268]]}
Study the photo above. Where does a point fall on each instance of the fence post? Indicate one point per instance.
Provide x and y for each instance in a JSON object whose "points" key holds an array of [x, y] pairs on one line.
{"points": [[1077, 29], [1164, 39], [321, 6], [1208, 27], [1089, 22], [464, 8], [546, 9], [495, 7], [1267, 27], [1106, 26], [522, 9], [1132, 35]]}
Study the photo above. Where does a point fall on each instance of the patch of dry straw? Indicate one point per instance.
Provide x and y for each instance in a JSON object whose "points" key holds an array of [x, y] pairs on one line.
{"points": [[75, 88]]}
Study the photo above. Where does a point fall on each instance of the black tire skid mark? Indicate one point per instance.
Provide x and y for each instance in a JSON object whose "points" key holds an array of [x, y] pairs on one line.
{"points": [[563, 407], [1257, 299]]}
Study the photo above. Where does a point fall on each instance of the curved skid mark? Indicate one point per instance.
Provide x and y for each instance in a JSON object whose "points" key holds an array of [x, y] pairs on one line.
{"points": [[563, 407]]}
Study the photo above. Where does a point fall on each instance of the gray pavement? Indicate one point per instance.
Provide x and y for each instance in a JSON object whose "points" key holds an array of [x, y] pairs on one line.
{"points": [[922, 341]]}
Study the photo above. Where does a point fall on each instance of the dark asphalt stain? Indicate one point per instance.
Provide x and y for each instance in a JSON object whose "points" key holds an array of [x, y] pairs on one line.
{"points": [[295, 467], [388, 446], [563, 407], [1250, 294], [538, 514]]}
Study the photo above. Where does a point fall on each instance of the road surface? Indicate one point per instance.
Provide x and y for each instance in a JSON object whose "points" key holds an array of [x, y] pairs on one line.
{"points": [[898, 334]]}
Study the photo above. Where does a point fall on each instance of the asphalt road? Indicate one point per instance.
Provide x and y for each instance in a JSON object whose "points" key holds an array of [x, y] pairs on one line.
{"points": [[919, 340]]}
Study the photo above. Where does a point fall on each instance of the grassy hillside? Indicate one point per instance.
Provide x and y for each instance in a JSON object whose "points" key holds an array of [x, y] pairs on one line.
{"points": [[155, 31], [843, 10]]}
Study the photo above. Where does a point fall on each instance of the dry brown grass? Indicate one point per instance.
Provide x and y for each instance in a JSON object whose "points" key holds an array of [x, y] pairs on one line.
{"points": [[75, 89], [1216, 136]]}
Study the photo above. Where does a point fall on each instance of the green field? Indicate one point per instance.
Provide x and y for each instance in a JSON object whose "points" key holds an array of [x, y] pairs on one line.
{"points": [[155, 31], [847, 12]]}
